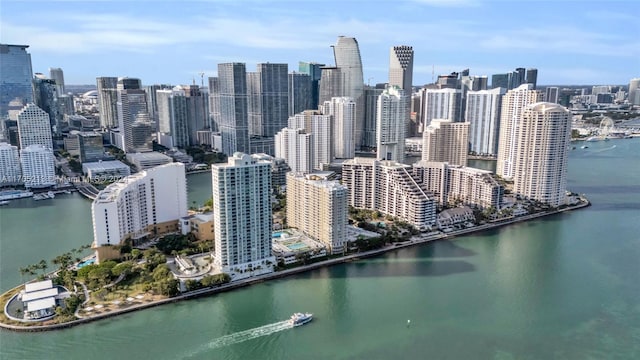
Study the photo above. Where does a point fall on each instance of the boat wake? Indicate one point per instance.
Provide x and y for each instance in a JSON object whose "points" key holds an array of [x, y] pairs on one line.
{"points": [[605, 149], [242, 336]]}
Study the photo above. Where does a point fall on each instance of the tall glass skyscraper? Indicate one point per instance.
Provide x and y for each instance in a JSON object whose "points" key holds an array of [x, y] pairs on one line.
{"points": [[15, 75], [233, 108]]}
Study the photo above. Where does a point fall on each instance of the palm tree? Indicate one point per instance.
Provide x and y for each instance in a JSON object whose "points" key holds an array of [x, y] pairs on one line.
{"points": [[42, 265], [23, 271]]}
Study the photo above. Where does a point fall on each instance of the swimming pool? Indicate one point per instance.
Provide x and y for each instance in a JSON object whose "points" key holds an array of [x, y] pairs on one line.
{"points": [[297, 246], [86, 262]]}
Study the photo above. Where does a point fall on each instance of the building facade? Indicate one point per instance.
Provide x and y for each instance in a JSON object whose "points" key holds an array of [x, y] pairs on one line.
{"points": [[446, 141], [231, 98], [294, 146], [441, 104], [38, 166], [391, 120], [34, 127], [483, 115], [300, 93], [242, 214], [318, 208], [343, 111], [10, 170], [401, 75], [268, 96], [15, 76], [108, 101]]}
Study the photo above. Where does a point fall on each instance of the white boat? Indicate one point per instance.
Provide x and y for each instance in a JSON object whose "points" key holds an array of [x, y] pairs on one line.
{"points": [[299, 319], [14, 194], [44, 196], [4, 202]]}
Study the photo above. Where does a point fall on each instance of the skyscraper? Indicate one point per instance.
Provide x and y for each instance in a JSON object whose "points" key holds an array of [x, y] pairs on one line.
{"points": [[513, 103], [314, 70], [343, 111], [531, 77], [152, 102], [370, 109], [197, 111], [268, 96], [446, 141], [232, 99], [242, 214], [401, 75], [483, 116], [34, 127], [173, 129], [294, 146], [108, 101], [542, 142], [46, 98], [552, 94], [57, 75], [441, 104], [133, 116], [391, 124], [634, 91], [321, 129], [38, 166], [318, 208], [15, 75], [300, 93], [500, 80]]}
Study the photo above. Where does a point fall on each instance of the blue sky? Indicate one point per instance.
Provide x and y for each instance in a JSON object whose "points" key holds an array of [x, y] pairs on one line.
{"points": [[570, 42]]}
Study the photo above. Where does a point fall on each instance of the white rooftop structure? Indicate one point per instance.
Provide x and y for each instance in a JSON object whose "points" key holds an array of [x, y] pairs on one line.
{"points": [[148, 160], [41, 304], [40, 294], [113, 167], [37, 286]]}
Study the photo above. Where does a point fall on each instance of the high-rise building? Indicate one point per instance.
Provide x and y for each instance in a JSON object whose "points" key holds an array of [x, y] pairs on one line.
{"points": [[38, 166], [318, 208], [370, 109], [57, 75], [91, 148], [46, 98], [391, 124], [197, 111], [321, 129], [15, 75], [314, 70], [634, 91], [134, 121], [343, 111], [390, 188], [294, 146], [242, 214], [401, 75], [108, 101], [34, 127], [330, 84], [349, 63], [173, 128], [531, 77], [500, 80], [152, 102], [542, 142], [441, 104], [483, 116], [552, 94], [300, 93], [446, 141], [232, 104], [10, 171], [268, 96], [147, 204], [513, 103]]}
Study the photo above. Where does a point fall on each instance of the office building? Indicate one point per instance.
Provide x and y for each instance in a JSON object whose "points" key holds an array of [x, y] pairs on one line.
{"points": [[542, 141], [173, 127], [46, 98], [91, 148], [147, 160], [552, 94], [141, 206], [294, 146], [500, 81], [108, 101], [242, 214], [343, 111], [531, 77], [318, 208], [390, 188], [370, 108], [34, 127], [107, 171], [314, 70], [483, 115], [57, 75], [38, 166], [10, 170], [232, 105], [441, 104], [391, 124], [134, 121], [268, 96], [300, 93], [446, 141], [15, 76], [513, 103]]}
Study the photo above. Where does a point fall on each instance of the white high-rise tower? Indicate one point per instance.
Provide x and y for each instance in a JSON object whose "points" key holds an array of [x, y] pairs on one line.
{"points": [[541, 152], [483, 115], [401, 75], [513, 104], [390, 124], [34, 127], [343, 110]]}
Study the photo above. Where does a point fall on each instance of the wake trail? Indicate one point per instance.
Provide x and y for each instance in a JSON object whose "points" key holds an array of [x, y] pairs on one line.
{"points": [[242, 336]]}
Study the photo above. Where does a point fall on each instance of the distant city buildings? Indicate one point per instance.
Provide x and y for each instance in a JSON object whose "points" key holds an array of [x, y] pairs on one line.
{"points": [[57, 75], [15, 76], [541, 153], [140, 206], [318, 208], [242, 214]]}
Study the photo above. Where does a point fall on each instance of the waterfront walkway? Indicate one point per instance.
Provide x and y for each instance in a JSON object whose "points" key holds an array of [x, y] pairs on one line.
{"points": [[87, 190], [415, 240]]}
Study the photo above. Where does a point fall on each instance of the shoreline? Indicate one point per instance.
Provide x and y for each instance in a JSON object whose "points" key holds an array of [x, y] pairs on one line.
{"points": [[415, 240]]}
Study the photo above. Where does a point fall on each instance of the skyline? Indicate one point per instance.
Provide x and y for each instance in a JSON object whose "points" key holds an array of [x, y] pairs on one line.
{"points": [[598, 43]]}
